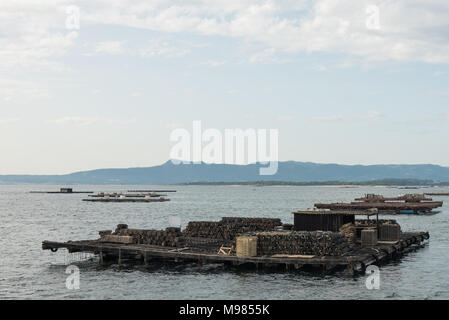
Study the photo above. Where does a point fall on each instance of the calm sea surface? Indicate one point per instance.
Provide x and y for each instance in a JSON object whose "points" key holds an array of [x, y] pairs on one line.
{"points": [[28, 272]]}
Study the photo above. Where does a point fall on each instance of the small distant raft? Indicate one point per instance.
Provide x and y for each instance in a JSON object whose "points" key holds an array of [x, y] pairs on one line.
{"points": [[125, 199], [405, 204], [127, 195], [62, 191], [445, 194], [150, 191]]}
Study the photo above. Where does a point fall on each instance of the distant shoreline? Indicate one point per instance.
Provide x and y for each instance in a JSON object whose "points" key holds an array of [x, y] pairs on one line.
{"points": [[408, 184], [399, 183]]}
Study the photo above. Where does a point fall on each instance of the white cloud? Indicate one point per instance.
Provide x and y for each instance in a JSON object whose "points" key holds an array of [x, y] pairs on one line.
{"points": [[88, 121], [264, 55], [108, 48], [284, 118], [440, 93], [166, 48], [11, 90], [321, 68], [439, 73], [34, 35], [360, 117], [174, 125], [369, 115], [409, 30], [9, 120], [215, 63]]}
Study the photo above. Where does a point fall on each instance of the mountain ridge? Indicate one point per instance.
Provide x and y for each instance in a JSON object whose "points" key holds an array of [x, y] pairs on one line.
{"points": [[292, 171]]}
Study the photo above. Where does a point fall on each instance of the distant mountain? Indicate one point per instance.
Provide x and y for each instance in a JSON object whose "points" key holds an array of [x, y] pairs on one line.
{"points": [[169, 173]]}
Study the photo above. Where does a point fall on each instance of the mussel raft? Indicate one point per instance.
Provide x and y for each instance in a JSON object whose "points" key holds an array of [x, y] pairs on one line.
{"points": [[257, 242]]}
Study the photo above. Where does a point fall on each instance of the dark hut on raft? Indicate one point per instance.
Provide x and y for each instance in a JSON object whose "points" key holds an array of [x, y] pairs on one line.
{"points": [[326, 220]]}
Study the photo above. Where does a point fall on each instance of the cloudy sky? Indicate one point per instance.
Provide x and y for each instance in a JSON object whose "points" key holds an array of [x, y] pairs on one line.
{"points": [[352, 82]]}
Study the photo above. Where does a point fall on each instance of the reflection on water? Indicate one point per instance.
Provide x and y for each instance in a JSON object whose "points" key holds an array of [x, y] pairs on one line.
{"points": [[30, 273]]}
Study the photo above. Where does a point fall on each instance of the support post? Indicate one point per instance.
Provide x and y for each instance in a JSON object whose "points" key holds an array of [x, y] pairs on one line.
{"points": [[377, 221], [350, 269], [101, 261]]}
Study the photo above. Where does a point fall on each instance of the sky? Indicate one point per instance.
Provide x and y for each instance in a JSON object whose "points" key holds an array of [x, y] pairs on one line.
{"points": [[349, 82]]}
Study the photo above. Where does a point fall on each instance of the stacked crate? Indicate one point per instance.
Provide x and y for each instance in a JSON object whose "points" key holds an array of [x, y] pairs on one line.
{"points": [[389, 229], [246, 246], [318, 243], [170, 237], [389, 232], [369, 237], [229, 227], [206, 245]]}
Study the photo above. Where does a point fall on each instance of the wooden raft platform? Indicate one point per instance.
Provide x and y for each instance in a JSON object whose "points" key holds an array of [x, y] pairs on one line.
{"points": [[382, 206], [60, 192], [355, 261], [63, 191], [129, 195], [126, 200], [147, 191], [407, 198]]}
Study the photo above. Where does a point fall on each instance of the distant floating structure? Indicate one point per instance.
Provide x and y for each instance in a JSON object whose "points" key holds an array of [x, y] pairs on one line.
{"points": [[149, 191], [437, 193], [409, 203], [62, 191], [416, 197], [124, 199], [127, 197]]}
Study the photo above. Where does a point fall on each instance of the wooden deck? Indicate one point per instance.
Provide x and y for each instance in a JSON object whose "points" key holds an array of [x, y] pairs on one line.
{"points": [[355, 261]]}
